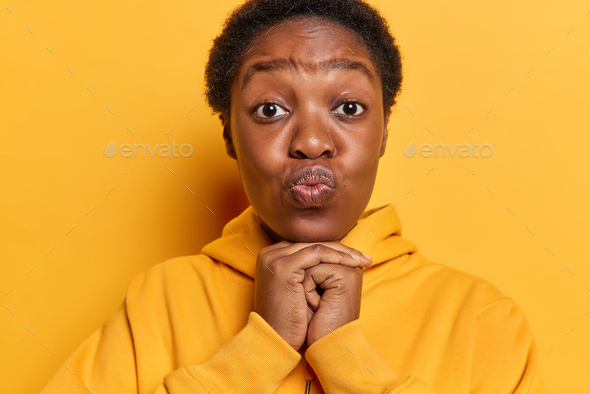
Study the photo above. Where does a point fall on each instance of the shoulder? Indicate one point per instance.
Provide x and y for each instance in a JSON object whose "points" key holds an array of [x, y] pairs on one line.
{"points": [[462, 286], [459, 292], [172, 275]]}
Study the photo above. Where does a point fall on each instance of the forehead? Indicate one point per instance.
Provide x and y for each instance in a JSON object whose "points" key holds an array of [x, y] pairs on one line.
{"points": [[306, 45]]}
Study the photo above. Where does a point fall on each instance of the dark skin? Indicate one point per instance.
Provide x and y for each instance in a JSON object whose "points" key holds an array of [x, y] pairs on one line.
{"points": [[309, 124]]}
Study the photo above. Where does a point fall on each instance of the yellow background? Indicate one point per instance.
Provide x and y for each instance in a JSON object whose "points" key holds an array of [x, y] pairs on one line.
{"points": [[145, 62]]}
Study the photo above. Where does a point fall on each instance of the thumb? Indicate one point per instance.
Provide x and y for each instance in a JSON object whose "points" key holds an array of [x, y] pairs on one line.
{"points": [[311, 294]]}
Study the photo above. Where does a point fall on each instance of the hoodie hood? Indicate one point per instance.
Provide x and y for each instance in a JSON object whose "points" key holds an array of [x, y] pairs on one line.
{"points": [[377, 233]]}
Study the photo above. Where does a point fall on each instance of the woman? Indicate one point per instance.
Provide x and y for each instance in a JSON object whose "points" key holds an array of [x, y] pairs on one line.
{"points": [[304, 90]]}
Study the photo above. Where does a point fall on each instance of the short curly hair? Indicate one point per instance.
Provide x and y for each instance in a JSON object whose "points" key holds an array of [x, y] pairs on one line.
{"points": [[255, 16]]}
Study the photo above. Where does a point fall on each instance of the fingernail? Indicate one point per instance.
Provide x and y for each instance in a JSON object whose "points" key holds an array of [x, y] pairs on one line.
{"points": [[367, 256]]}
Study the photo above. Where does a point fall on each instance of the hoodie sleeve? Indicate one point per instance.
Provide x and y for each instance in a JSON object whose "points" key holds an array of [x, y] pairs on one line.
{"points": [[256, 359], [504, 359], [505, 353], [103, 363], [345, 362]]}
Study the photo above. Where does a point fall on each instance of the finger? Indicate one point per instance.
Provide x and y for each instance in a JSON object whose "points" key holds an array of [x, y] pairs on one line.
{"points": [[364, 260], [279, 245], [327, 276], [314, 254], [275, 248], [310, 314], [310, 287]]}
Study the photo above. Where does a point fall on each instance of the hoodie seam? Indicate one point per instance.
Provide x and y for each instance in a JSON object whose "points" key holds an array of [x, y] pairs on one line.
{"points": [[404, 384], [193, 373], [488, 304], [394, 263], [248, 284]]}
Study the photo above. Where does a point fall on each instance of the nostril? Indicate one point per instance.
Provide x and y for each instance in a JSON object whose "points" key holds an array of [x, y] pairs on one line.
{"points": [[301, 155]]}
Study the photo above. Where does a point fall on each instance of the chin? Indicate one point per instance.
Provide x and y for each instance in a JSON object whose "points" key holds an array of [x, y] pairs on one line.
{"points": [[308, 235]]}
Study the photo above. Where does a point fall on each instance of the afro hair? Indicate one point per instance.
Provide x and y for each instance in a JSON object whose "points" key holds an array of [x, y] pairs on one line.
{"points": [[255, 16]]}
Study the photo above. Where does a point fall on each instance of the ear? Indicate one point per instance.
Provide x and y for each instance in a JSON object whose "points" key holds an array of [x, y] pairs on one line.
{"points": [[229, 143], [384, 141]]}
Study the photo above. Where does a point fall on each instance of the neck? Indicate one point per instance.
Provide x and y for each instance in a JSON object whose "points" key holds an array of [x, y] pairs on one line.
{"points": [[278, 238], [274, 236]]}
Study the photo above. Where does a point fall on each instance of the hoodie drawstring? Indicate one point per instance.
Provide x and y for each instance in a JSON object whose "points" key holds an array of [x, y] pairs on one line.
{"points": [[309, 375]]}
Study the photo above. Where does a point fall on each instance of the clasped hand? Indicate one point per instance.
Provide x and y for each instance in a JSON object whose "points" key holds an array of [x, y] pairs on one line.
{"points": [[290, 278]]}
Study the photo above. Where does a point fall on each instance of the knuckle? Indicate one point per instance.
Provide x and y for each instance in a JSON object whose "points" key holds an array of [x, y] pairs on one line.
{"points": [[278, 266], [338, 286], [292, 280], [348, 256], [262, 257], [318, 249], [347, 275]]}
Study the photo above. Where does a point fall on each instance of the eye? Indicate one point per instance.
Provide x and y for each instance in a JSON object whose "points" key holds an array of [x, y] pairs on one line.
{"points": [[350, 109], [269, 110]]}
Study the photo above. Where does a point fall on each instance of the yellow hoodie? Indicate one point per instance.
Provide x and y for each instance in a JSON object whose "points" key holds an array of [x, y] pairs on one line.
{"points": [[187, 326]]}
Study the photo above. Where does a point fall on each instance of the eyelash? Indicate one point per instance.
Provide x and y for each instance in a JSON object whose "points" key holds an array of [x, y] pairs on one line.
{"points": [[263, 102], [362, 105]]}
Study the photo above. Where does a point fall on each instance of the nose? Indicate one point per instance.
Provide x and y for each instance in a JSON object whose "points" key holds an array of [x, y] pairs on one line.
{"points": [[311, 138]]}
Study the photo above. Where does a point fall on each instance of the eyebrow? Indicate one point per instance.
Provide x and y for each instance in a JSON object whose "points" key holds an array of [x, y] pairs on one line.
{"points": [[327, 65]]}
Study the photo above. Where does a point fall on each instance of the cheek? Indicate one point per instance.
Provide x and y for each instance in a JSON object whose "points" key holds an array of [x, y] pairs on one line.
{"points": [[364, 160], [258, 159]]}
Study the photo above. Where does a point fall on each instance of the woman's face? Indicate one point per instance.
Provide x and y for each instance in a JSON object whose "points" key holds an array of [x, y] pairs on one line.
{"points": [[301, 113]]}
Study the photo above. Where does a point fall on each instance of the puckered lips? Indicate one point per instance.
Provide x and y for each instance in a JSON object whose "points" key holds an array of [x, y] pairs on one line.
{"points": [[312, 186]]}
